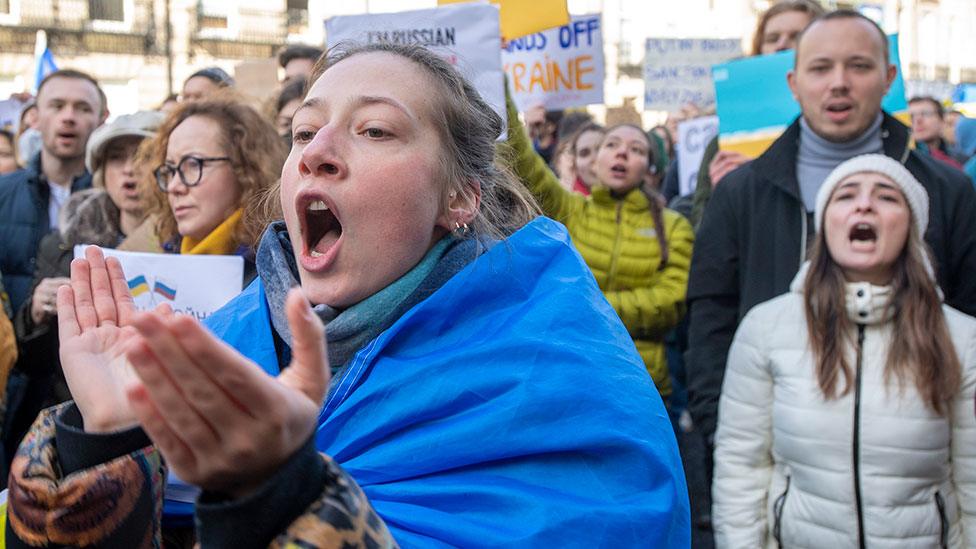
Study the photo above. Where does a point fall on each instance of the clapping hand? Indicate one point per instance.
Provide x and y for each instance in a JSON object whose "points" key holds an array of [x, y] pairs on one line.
{"points": [[220, 421]]}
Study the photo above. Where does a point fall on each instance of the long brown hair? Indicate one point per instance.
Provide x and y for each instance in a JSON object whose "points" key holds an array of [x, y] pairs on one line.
{"points": [[803, 6], [921, 349], [254, 147]]}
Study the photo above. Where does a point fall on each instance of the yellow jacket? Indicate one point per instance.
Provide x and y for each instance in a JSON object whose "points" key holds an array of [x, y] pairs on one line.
{"points": [[618, 241]]}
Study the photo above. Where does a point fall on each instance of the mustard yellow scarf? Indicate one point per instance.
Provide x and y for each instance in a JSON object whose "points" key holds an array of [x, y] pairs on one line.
{"points": [[220, 241]]}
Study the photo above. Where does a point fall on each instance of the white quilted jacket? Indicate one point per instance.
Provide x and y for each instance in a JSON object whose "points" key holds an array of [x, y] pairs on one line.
{"points": [[790, 466]]}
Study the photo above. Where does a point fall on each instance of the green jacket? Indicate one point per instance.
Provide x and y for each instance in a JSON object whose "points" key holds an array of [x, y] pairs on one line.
{"points": [[617, 239]]}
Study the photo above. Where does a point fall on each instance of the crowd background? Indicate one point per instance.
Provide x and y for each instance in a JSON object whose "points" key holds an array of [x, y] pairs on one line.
{"points": [[681, 272]]}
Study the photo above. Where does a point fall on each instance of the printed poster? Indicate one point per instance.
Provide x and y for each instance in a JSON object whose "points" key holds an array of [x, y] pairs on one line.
{"points": [[196, 285], [521, 17], [678, 71], [752, 116], [465, 34], [693, 136], [560, 68]]}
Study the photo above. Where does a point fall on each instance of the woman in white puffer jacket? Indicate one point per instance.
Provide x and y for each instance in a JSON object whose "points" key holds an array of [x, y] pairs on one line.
{"points": [[847, 412]]}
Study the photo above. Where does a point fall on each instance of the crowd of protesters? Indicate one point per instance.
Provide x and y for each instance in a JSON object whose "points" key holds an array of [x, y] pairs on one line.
{"points": [[447, 339]]}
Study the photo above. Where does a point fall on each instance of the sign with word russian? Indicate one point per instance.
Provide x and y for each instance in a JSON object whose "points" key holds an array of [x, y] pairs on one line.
{"points": [[465, 34], [677, 71], [559, 68], [693, 137], [521, 18], [755, 104], [196, 285]]}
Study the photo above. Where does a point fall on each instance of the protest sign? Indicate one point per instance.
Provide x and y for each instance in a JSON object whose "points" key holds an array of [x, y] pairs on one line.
{"points": [[10, 114], [520, 18], [755, 104], [678, 71], [559, 68], [196, 285], [464, 34], [693, 137]]}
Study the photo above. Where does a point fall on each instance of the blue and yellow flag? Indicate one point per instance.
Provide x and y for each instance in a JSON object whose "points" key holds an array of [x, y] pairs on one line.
{"points": [[138, 285]]}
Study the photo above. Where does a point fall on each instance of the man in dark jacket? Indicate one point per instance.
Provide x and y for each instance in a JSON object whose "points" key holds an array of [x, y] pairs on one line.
{"points": [[70, 106], [757, 226]]}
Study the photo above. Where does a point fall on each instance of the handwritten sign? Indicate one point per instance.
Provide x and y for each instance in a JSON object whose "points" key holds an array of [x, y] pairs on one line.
{"points": [[465, 34], [678, 71], [559, 68], [755, 104], [693, 137], [196, 285], [521, 18]]}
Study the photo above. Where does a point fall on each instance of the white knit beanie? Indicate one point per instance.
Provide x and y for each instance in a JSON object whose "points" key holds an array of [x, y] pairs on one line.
{"points": [[915, 194]]}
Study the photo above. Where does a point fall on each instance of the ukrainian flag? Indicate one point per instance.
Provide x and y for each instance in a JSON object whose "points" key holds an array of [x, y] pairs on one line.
{"points": [[138, 286]]}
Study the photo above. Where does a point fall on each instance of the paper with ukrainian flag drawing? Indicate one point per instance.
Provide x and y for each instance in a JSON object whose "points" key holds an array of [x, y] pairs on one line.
{"points": [[755, 104], [196, 285]]}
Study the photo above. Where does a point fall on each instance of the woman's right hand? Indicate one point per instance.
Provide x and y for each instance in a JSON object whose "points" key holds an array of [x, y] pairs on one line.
{"points": [[94, 314]]}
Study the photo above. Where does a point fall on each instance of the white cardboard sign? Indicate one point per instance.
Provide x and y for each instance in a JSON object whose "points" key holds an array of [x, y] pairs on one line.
{"points": [[467, 35], [693, 137], [679, 71], [196, 285], [559, 68]]}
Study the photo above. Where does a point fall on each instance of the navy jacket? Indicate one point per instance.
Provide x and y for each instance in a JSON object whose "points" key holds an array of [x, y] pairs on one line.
{"points": [[24, 196], [754, 236]]}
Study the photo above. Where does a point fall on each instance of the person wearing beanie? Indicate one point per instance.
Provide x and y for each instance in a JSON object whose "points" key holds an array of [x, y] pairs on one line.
{"points": [[205, 82], [758, 224], [846, 414], [106, 215]]}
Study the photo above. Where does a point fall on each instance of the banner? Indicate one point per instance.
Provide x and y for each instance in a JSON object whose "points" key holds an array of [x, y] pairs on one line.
{"points": [[522, 18], [693, 136], [464, 34], [559, 68], [678, 71], [755, 104], [196, 285]]}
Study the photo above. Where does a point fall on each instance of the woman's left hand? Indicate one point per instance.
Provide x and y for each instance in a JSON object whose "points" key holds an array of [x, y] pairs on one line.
{"points": [[220, 421]]}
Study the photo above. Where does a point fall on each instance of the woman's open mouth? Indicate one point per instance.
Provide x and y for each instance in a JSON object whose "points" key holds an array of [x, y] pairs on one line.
{"points": [[863, 236], [321, 231], [618, 170]]}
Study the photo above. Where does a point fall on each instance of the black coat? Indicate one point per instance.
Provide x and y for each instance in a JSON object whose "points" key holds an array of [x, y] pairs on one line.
{"points": [[24, 196], [753, 239]]}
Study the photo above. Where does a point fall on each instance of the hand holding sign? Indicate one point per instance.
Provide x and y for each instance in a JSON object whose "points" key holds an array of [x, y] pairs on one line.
{"points": [[219, 420]]}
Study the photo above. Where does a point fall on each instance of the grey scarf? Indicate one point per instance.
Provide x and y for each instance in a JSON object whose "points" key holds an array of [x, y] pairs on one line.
{"points": [[350, 329]]}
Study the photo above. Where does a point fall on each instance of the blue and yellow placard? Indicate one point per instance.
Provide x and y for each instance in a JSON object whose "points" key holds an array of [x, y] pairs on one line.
{"points": [[755, 104]]}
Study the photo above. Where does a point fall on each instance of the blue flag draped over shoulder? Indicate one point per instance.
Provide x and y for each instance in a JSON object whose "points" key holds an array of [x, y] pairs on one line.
{"points": [[508, 409]]}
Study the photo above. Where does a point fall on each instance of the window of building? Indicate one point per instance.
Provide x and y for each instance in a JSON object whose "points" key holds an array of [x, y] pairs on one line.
{"points": [[212, 14], [106, 10]]}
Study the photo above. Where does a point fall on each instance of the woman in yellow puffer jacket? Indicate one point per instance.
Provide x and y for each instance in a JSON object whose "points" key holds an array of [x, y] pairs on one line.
{"points": [[639, 252]]}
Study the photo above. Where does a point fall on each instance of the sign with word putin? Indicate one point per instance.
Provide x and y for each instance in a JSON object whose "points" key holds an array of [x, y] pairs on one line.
{"points": [[466, 35], [678, 71], [196, 285], [559, 68]]}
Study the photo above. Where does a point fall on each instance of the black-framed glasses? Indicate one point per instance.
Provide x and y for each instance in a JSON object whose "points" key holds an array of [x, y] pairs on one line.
{"points": [[190, 169]]}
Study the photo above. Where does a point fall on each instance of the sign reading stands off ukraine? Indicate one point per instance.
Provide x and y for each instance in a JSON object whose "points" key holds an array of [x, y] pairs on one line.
{"points": [[559, 68], [196, 285], [755, 104], [466, 35]]}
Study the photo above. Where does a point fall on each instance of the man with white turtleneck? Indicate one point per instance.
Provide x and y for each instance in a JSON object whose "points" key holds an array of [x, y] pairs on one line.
{"points": [[757, 226]]}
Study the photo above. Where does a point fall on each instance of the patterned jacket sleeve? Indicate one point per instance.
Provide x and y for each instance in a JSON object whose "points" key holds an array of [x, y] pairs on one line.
{"points": [[108, 492], [115, 503]]}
